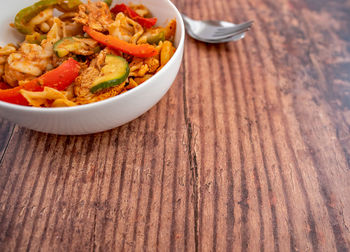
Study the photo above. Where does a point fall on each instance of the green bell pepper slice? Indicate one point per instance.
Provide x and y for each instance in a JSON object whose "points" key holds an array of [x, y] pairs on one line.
{"points": [[35, 38], [156, 38], [68, 5], [108, 2], [25, 15]]}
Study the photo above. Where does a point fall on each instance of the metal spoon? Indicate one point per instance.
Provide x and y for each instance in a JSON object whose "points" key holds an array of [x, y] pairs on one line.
{"points": [[215, 31]]}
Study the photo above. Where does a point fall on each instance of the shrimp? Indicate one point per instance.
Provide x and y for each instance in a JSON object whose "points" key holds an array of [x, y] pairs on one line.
{"points": [[32, 60], [4, 53]]}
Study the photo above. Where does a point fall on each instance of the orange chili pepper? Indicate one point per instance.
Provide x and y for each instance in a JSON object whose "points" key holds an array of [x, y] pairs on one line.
{"points": [[141, 51]]}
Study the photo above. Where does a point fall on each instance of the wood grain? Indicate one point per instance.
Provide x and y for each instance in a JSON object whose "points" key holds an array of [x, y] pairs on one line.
{"points": [[248, 151]]}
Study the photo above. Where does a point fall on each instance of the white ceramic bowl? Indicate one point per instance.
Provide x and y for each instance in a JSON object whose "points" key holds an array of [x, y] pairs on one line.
{"points": [[103, 115]]}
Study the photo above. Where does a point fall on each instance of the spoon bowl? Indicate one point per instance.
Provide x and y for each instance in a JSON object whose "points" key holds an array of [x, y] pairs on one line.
{"points": [[210, 31]]}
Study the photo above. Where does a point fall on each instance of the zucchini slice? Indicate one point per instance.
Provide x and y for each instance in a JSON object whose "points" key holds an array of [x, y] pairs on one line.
{"points": [[76, 45], [64, 46], [115, 71]]}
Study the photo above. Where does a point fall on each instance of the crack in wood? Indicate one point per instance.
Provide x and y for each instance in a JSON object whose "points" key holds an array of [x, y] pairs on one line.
{"points": [[192, 156], [6, 143]]}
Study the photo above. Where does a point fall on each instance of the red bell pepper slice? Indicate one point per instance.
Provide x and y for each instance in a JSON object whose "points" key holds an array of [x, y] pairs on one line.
{"points": [[145, 22], [59, 78], [13, 95], [141, 51]]}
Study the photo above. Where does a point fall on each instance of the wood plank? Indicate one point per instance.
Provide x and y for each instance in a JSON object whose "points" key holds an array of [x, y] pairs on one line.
{"points": [[248, 151], [128, 188], [275, 160]]}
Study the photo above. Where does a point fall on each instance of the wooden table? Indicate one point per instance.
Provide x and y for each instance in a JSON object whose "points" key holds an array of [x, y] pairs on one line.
{"points": [[249, 150]]}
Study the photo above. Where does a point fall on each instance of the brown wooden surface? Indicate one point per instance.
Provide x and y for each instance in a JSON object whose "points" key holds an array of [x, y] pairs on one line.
{"points": [[248, 151]]}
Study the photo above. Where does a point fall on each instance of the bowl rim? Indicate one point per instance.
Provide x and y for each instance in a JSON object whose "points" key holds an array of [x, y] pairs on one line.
{"points": [[83, 107]]}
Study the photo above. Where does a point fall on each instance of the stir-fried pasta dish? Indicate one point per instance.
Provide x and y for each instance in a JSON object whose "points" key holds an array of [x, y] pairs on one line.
{"points": [[77, 52]]}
